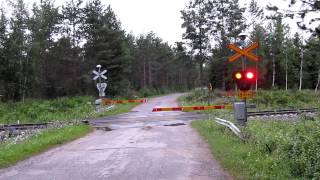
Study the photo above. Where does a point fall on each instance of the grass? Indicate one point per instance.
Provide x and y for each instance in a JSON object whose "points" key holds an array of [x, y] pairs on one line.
{"points": [[243, 160], [273, 149], [61, 109], [286, 99], [119, 109], [12, 153]]}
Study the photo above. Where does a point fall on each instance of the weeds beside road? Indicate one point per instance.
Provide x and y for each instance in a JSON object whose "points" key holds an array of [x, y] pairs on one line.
{"points": [[11, 153], [273, 149], [69, 111], [61, 109]]}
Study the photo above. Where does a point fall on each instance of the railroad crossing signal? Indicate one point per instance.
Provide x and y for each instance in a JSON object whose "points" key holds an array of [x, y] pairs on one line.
{"points": [[210, 87], [245, 94], [244, 79], [99, 74], [101, 88], [244, 52]]}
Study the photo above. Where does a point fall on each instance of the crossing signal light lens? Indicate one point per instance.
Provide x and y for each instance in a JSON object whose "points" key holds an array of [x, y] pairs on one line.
{"points": [[244, 79], [238, 75], [250, 75]]}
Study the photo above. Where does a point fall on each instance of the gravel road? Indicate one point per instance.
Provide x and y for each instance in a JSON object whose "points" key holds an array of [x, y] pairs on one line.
{"points": [[142, 145]]}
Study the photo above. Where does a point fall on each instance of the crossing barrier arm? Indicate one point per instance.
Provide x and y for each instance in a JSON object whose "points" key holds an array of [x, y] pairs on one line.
{"points": [[190, 108]]}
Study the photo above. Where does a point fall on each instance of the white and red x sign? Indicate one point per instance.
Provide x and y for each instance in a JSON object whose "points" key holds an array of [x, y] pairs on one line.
{"points": [[244, 52]]}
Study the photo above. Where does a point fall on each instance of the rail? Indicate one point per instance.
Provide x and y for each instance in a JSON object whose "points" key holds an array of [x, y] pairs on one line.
{"points": [[13, 127], [282, 112]]}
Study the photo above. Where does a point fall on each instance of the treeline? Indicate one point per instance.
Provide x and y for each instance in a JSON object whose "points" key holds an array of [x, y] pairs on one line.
{"points": [[286, 61], [50, 51]]}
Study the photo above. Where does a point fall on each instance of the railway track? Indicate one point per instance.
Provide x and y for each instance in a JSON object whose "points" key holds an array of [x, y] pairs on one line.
{"points": [[282, 112], [14, 127]]}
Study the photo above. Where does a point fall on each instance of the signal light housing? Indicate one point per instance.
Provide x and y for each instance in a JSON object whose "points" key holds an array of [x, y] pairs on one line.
{"points": [[244, 79]]}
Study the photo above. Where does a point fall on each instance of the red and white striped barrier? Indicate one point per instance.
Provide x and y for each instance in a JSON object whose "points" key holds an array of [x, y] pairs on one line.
{"points": [[190, 108], [108, 101]]}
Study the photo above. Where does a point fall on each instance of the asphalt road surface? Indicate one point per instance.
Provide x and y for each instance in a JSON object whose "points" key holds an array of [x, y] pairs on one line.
{"points": [[139, 145]]}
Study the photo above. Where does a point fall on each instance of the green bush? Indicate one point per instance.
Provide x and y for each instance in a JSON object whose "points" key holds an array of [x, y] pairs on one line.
{"points": [[297, 143], [67, 108], [273, 149], [286, 99]]}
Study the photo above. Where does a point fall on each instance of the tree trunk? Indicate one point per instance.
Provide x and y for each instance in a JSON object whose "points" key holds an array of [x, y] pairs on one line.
{"points": [[317, 86], [144, 73], [201, 73], [273, 71], [301, 71], [150, 74], [286, 71]]}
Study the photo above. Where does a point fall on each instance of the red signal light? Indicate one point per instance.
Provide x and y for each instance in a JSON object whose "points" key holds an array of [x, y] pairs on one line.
{"points": [[244, 79], [250, 75]]}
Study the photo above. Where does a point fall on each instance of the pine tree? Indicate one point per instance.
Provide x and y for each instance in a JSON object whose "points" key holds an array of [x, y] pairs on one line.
{"points": [[5, 74], [43, 26], [225, 22], [17, 48], [105, 43], [72, 20], [195, 17]]}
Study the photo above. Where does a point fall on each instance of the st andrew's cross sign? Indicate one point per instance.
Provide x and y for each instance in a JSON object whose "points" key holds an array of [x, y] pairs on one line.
{"points": [[244, 52]]}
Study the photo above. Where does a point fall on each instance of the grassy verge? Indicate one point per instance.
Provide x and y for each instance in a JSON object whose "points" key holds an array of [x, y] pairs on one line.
{"points": [[273, 149], [12, 153], [119, 109], [243, 160], [61, 109]]}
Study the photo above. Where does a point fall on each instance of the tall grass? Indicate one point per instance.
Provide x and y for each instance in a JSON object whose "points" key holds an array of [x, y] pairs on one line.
{"points": [[12, 153], [286, 99], [62, 109], [273, 149], [68, 108]]}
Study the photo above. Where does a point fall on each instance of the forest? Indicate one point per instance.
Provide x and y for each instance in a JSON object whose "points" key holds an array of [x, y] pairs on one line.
{"points": [[50, 51]]}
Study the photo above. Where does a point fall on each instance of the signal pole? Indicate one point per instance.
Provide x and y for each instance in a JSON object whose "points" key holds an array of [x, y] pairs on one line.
{"points": [[245, 79], [243, 45]]}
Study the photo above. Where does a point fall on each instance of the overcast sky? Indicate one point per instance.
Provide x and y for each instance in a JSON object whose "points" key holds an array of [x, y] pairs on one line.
{"points": [[160, 16]]}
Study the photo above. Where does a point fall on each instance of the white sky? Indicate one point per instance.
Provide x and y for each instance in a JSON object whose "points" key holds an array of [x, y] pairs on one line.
{"points": [[160, 16]]}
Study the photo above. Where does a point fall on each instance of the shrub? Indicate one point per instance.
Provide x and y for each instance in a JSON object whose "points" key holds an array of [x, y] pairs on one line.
{"points": [[296, 143]]}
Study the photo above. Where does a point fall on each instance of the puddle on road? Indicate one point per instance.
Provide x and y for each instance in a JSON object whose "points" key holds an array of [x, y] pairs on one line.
{"points": [[147, 128], [142, 125], [175, 124], [103, 128]]}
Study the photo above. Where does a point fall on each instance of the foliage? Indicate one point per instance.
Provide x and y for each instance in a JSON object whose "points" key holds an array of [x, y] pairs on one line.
{"points": [[226, 22], [52, 51], [273, 149], [308, 10], [61, 109], [296, 143], [12, 153], [286, 99], [242, 159], [196, 20]]}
